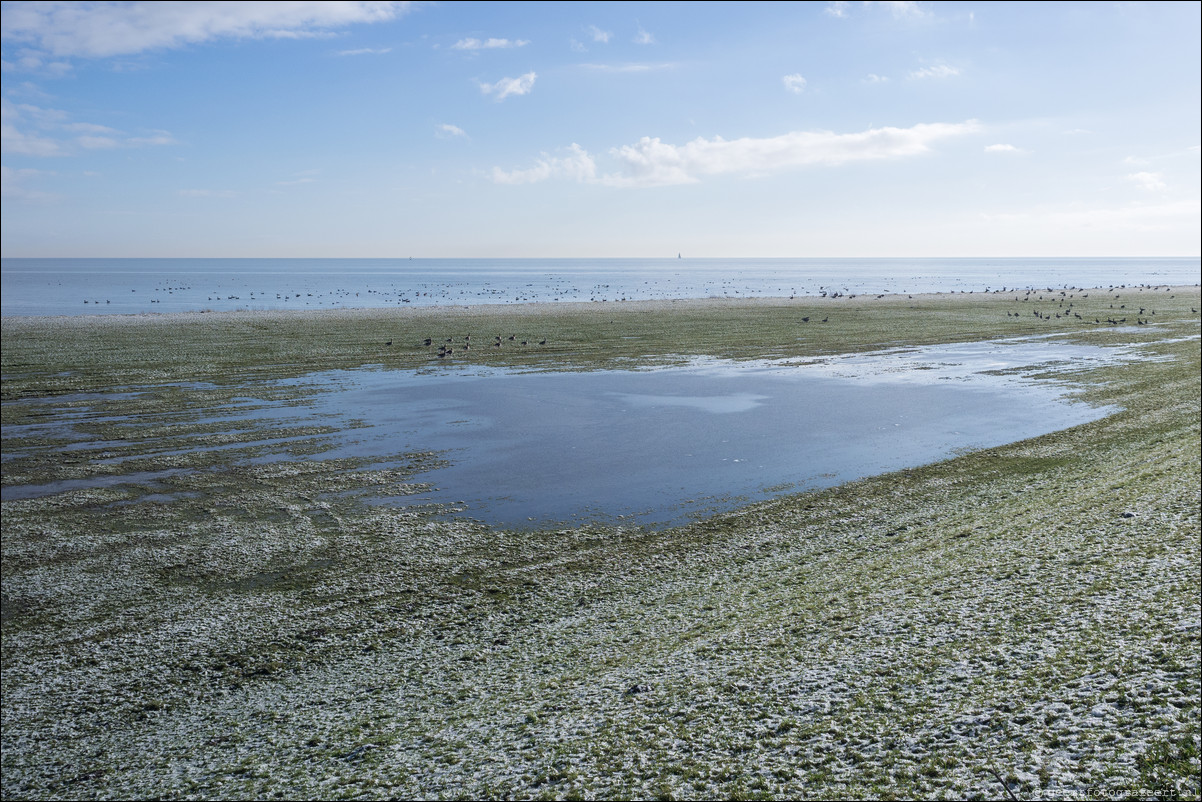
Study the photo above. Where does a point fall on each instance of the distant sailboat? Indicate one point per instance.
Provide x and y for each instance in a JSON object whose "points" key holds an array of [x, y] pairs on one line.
{"points": [[678, 255]]}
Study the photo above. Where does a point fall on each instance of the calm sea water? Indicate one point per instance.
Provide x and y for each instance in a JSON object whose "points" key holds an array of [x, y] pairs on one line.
{"points": [[125, 286]]}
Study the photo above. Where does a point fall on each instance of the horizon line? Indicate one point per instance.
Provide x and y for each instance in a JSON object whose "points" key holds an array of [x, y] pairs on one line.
{"points": [[665, 258]]}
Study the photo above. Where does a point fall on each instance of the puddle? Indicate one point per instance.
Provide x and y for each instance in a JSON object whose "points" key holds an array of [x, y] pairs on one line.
{"points": [[140, 478], [661, 446]]}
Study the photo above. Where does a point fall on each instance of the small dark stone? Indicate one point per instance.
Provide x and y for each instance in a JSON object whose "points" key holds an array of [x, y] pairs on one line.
{"points": [[1128, 515]]}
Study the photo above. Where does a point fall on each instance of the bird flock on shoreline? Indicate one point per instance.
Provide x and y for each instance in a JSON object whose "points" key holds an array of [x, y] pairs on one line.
{"points": [[1066, 308]]}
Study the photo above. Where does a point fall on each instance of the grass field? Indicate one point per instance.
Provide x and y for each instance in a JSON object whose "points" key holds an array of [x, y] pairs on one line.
{"points": [[222, 627]]}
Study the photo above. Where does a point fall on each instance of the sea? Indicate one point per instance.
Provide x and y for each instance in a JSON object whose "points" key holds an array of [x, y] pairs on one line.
{"points": [[139, 286]]}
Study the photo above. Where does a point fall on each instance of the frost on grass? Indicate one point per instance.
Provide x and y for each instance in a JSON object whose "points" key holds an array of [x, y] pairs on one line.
{"points": [[249, 627]]}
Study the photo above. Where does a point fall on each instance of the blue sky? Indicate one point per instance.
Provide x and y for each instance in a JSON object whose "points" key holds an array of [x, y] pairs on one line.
{"points": [[600, 129]]}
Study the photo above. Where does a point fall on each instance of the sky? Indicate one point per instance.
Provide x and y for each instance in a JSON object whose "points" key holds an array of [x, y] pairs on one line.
{"points": [[392, 129]]}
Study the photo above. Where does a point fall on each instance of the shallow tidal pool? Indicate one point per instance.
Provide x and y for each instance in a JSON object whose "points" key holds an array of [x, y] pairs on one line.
{"points": [[652, 446], [659, 446]]}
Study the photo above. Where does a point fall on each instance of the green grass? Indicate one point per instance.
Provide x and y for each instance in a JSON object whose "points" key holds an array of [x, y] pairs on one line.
{"points": [[260, 632], [114, 351]]}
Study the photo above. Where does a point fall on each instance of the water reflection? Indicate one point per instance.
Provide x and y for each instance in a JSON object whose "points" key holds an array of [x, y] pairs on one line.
{"points": [[656, 445], [660, 446]]}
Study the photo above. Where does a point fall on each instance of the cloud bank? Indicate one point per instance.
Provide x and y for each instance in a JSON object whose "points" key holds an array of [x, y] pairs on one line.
{"points": [[366, 51], [101, 29], [651, 162], [31, 130], [900, 9], [12, 185], [489, 44], [575, 165]]}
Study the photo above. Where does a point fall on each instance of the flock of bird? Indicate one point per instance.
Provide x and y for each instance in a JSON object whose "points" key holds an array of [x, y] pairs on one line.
{"points": [[1065, 300], [447, 347], [1062, 311]]}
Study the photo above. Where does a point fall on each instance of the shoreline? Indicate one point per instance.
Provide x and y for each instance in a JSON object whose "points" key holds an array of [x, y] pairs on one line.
{"points": [[223, 347], [485, 310]]}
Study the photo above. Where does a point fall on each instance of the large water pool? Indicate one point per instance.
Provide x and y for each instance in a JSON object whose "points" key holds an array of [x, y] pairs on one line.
{"points": [[652, 446], [659, 446]]}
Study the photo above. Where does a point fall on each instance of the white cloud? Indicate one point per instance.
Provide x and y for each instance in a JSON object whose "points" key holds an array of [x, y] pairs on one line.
{"points": [[937, 71], [38, 114], [12, 185], [288, 33], [30, 60], [90, 128], [110, 29], [510, 86], [598, 34], [489, 44], [448, 131], [643, 37], [794, 83], [873, 78], [14, 140], [56, 136], [1002, 148], [652, 162], [27, 89], [901, 8], [366, 51], [576, 165], [1152, 182]]}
